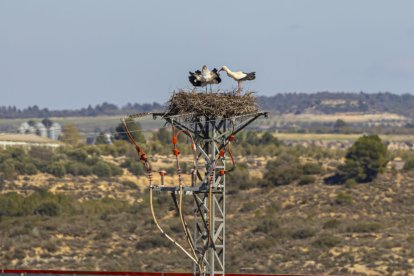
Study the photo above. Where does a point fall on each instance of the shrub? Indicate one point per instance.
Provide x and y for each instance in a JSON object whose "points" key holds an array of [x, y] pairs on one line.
{"points": [[343, 198], [93, 150], [50, 246], [303, 233], [133, 167], [133, 127], [364, 160], [11, 204], [311, 168], [364, 227], [26, 167], [261, 244], [152, 242], [170, 170], [77, 168], [130, 184], [350, 183], [330, 224], [247, 207], [239, 178], [101, 169], [8, 170], [283, 170], [266, 226], [326, 241], [409, 164], [115, 170], [307, 179], [56, 169], [77, 154], [48, 208]]}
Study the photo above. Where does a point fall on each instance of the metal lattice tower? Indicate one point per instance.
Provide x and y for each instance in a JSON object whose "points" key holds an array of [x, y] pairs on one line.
{"points": [[211, 135]]}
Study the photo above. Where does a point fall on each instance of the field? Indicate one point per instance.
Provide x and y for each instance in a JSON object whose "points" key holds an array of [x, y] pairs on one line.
{"points": [[337, 137], [84, 124], [90, 124], [348, 117]]}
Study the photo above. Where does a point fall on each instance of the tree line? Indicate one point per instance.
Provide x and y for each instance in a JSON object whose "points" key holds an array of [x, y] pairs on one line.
{"points": [[12, 112], [321, 102]]}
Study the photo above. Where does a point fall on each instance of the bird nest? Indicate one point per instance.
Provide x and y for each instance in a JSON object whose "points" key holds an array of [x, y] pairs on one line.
{"points": [[211, 105]]}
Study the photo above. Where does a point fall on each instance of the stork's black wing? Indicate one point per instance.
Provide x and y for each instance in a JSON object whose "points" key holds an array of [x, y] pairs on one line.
{"points": [[216, 75], [249, 76], [193, 79]]}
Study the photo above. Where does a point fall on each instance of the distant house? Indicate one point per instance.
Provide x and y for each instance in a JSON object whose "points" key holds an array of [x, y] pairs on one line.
{"points": [[53, 131], [41, 130], [27, 140], [101, 138], [25, 128]]}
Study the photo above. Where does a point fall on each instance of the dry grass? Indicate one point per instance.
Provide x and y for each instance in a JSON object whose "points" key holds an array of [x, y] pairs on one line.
{"points": [[211, 105], [350, 117], [338, 137]]}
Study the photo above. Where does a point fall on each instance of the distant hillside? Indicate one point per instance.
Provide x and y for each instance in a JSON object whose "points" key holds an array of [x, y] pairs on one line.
{"points": [[317, 103], [330, 102]]}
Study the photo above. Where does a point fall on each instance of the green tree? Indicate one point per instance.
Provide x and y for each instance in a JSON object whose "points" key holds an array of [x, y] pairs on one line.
{"points": [[47, 122], [163, 135], [135, 129], [70, 135], [364, 160], [102, 169], [340, 124], [57, 169], [8, 169], [282, 171]]}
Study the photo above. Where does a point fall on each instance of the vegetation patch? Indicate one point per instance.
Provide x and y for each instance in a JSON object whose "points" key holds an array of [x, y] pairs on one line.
{"points": [[364, 227], [326, 241], [303, 233]]}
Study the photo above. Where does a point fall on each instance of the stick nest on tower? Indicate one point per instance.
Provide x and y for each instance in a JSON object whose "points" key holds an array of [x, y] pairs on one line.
{"points": [[211, 105]]}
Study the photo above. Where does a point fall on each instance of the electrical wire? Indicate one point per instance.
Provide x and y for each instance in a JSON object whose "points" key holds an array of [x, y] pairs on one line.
{"points": [[180, 208], [146, 164]]}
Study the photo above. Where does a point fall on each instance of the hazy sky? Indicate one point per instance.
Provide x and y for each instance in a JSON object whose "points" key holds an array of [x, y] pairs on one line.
{"points": [[68, 54]]}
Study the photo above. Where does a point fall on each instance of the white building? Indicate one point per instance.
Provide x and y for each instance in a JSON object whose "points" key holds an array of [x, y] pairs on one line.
{"points": [[53, 132]]}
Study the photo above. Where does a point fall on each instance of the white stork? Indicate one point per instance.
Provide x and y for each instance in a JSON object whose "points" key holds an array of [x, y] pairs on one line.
{"points": [[239, 76], [204, 77]]}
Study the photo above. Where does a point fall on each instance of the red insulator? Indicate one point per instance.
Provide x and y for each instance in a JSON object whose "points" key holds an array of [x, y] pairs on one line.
{"points": [[222, 172], [222, 152], [176, 152], [231, 138], [162, 173], [143, 157], [174, 140]]}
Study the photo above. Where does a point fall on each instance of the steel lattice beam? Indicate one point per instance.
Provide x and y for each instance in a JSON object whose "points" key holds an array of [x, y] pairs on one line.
{"points": [[210, 135]]}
